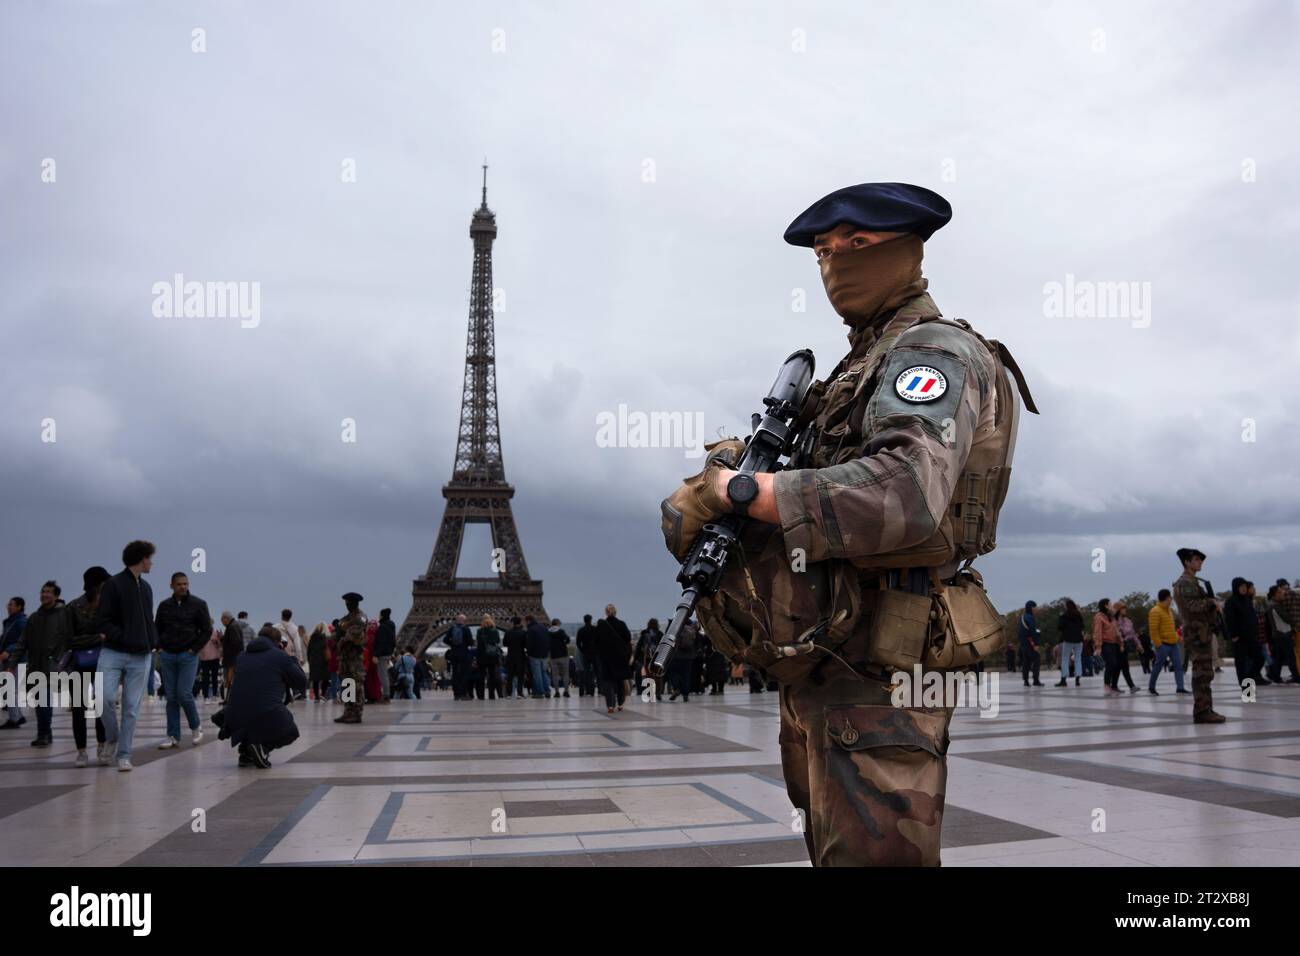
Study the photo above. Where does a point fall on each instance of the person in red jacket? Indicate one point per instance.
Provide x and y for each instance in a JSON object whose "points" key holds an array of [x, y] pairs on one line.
{"points": [[374, 690]]}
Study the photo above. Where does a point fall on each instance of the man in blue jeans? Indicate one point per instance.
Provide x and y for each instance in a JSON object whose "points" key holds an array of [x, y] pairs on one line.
{"points": [[538, 641], [1164, 638], [184, 625], [127, 625]]}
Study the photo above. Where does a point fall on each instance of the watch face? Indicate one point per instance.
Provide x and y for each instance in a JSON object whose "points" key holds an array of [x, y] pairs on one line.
{"points": [[742, 488]]}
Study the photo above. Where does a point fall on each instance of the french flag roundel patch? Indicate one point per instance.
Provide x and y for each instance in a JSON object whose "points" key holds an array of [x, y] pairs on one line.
{"points": [[920, 383]]}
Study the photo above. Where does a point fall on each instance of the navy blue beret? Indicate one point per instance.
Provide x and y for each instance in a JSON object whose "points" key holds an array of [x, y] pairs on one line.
{"points": [[877, 207]]}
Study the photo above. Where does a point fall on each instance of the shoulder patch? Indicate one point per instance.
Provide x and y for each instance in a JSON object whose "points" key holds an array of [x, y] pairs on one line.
{"points": [[921, 383]]}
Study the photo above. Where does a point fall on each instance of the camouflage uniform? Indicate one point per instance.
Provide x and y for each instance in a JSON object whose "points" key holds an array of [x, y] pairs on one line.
{"points": [[352, 662], [1197, 610], [868, 777]]}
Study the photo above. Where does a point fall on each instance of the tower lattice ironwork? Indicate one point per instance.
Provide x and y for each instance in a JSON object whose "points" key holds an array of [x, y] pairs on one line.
{"points": [[478, 492]]}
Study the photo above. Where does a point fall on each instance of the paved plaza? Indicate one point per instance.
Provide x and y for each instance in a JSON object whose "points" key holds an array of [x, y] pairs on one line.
{"points": [[1060, 777]]}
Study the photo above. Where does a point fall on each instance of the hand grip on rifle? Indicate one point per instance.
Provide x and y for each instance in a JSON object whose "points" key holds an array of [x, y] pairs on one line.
{"points": [[773, 438]]}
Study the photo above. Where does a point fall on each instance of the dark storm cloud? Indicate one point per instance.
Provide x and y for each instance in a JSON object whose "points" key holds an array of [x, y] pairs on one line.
{"points": [[643, 165]]}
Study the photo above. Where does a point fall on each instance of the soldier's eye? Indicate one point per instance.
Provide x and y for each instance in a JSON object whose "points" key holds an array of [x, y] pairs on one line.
{"points": [[859, 242], [823, 252]]}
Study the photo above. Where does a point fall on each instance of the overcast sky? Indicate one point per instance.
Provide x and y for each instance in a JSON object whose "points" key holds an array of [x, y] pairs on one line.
{"points": [[643, 166]]}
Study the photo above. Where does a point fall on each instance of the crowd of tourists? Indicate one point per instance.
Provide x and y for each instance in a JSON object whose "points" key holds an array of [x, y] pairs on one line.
{"points": [[1258, 630], [531, 659], [113, 633]]}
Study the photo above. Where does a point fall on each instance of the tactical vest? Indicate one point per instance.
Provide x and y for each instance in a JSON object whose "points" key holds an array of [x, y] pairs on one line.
{"points": [[969, 525], [771, 617]]}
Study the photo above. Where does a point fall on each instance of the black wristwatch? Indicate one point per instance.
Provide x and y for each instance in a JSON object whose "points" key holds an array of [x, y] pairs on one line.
{"points": [[742, 489]]}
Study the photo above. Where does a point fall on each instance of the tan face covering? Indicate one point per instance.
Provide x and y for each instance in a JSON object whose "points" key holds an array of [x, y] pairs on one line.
{"points": [[863, 283]]}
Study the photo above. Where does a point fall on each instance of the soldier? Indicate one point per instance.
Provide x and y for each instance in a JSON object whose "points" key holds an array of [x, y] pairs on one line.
{"points": [[1199, 608], [352, 659], [901, 479]]}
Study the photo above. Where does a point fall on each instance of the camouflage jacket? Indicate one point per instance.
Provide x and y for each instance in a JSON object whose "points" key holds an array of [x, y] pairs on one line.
{"points": [[352, 634], [876, 480], [1197, 609], [879, 476]]}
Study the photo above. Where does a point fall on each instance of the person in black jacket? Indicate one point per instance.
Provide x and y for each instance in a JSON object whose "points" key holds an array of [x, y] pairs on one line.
{"points": [[85, 644], [488, 654], [516, 641], [1241, 623], [42, 645], [537, 639], [184, 626], [1070, 624], [126, 620], [559, 657], [681, 666], [13, 629], [716, 668], [384, 648], [318, 666], [459, 640], [255, 718], [232, 645], [646, 646], [587, 658], [614, 648]]}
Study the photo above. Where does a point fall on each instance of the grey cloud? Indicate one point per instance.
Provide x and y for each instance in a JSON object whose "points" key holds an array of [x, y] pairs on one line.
{"points": [[671, 295]]}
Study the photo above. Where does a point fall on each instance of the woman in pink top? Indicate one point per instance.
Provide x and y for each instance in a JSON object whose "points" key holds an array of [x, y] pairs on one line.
{"points": [[1105, 637], [1128, 641], [210, 664]]}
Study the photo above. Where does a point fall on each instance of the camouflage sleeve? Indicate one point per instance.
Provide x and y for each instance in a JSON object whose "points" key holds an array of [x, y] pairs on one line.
{"points": [[356, 633], [1191, 599], [895, 495]]}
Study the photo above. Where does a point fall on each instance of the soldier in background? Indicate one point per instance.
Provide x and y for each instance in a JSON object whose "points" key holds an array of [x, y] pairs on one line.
{"points": [[1198, 608], [351, 633], [917, 403]]}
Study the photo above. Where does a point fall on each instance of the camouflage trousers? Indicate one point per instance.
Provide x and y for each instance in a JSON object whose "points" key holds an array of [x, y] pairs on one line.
{"points": [[352, 669], [868, 777], [1200, 650]]}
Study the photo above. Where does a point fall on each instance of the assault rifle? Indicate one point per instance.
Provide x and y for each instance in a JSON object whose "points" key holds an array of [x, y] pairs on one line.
{"points": [[1220, 625], [773, 438]]}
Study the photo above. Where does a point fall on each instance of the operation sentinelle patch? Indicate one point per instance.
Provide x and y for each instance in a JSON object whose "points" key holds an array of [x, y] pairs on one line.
{"points": [[920, 383]]}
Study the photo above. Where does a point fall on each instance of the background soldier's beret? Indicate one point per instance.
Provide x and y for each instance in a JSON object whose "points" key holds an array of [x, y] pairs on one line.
{"points": [[1186, 554], [876, 207], [352, 597]]}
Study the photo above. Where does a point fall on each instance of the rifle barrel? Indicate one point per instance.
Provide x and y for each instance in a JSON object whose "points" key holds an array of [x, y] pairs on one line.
{"points": [[668, 642]]}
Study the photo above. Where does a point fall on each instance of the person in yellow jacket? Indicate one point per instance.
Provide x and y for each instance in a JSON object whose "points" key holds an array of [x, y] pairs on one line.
{"points": [[1164, 640]]}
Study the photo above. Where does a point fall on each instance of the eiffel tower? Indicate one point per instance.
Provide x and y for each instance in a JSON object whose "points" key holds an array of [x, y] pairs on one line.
{"points": [[478, 492]]}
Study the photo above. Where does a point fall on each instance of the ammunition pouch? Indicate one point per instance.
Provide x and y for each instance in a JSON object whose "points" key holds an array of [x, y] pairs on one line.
{"points": [[951, 627], [966, 625], [788, 626], [899, 631], [829, 611]]}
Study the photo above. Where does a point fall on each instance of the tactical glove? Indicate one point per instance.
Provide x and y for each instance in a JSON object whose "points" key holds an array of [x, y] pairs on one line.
{"points": [[696, 502]]}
